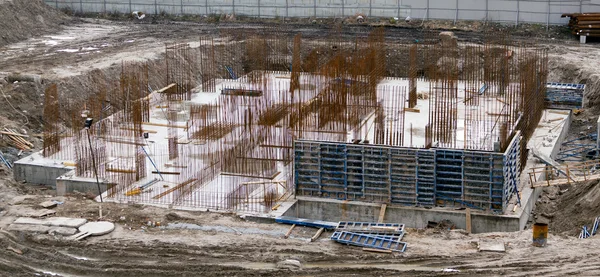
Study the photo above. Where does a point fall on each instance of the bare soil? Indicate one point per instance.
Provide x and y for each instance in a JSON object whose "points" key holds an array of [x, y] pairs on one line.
{"points": [[77, 52]]}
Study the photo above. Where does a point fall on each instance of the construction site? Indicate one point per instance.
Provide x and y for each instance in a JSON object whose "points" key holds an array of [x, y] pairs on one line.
{"points": [[149, 144]]}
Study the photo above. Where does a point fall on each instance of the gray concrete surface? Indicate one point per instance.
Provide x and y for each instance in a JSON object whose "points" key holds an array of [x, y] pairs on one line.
{"points": [[68, 183], [52, 221], [35, 169], [513, 11], [412, 217]]}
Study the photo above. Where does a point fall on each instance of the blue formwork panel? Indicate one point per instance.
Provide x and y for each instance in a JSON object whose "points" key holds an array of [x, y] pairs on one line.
{"points": [[512, 169], [415, 177], [564, 96]]}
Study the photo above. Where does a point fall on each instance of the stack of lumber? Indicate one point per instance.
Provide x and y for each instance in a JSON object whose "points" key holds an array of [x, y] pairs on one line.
{"points": [[16, 139], [584, 24]]}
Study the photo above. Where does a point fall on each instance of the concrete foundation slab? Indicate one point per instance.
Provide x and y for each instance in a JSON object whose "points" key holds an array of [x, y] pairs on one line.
{"points": [[63, 231], [68, 183], [29, 228], [54, 221], [36, 169]]}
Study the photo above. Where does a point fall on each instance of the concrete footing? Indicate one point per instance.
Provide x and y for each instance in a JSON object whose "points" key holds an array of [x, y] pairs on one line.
{"points": [[36, 169], [412, 217]]}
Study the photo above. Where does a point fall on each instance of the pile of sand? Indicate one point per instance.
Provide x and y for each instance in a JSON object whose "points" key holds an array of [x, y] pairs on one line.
{"points": [[568, 208], [22, 19]]}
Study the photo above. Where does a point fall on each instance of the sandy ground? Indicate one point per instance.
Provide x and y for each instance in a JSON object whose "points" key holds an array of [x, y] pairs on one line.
{"points": [[212, 244], [224, 244]]}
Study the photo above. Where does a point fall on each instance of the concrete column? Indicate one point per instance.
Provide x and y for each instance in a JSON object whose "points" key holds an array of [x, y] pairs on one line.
{"points": [[582, 39]]}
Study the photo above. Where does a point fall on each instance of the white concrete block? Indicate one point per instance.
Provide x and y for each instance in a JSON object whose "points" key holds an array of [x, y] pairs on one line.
{"points": [[54, 221]]}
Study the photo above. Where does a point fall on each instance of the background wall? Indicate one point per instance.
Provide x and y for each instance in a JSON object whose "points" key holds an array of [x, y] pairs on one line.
{"points": [[517, 11]]}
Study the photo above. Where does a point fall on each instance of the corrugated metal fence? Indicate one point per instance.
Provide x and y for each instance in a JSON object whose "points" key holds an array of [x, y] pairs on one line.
{"points": [[517, 11]]}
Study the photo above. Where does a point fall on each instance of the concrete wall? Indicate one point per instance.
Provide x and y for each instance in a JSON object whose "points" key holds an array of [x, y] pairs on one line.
{"points": [[335, 210], [514, 11], [39, 174], [69, 184]]}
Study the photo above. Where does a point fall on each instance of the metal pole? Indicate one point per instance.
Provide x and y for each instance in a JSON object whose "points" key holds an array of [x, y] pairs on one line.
{"points": [[94, 164], [287, 14], [548, 17], [427, 13], [206, 6], [487, 10], [181, 6], [81, 6], [370, 7], [456, 13], [258, 8], [580, 6], [104, 6], [343, 12], [315, 8], [233, 6], [518, 11], [130, 11], [155, 8]]}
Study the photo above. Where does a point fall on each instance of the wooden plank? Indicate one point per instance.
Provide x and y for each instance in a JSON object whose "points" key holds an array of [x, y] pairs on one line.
{"points": [[180, 186], [166, 172], [317, 235], [13, 134], [468, 220], [412, 110], [382, 213], [289, 232], [166, 88], [376, 250]]}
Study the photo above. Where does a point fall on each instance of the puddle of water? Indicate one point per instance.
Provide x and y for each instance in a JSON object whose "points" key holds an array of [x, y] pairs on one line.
{"points": [[81, 258]]}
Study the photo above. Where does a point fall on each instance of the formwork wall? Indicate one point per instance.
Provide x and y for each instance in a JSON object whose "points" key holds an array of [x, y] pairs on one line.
{"points": [[407, 176]]}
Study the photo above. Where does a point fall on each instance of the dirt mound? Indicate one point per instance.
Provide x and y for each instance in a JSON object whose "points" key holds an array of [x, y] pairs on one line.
{"points": [[22, 19], [569, 207]]}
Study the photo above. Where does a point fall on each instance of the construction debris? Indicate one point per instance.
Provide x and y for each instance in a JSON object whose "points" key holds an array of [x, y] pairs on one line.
{"points": [[592, 232], [371, 235], [487, 246], [584, 24]]}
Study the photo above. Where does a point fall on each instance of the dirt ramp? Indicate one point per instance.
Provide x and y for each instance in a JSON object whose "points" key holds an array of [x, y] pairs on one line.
{"points": [[569, 207], [21, 19]]}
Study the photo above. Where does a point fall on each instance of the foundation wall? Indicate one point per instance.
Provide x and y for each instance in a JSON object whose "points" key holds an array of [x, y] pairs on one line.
{"points": [[66, 185], [513, 11], [37, 173], [412, 217]]}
